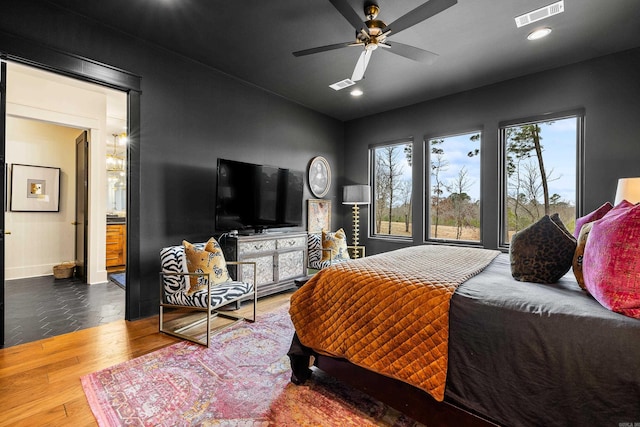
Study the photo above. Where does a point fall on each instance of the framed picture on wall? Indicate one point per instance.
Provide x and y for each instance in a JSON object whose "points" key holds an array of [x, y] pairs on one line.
{"points": [[35, 188], [318, 215], [319, 176]]}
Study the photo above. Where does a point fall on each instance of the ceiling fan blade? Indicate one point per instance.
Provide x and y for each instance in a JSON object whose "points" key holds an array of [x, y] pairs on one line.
{"points": [[419, 14], [361, 66], [349, 14], [322, 49], [412, 52]]}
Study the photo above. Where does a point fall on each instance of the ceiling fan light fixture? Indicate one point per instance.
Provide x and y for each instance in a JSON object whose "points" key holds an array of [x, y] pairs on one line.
{"points": [[375, 33], [539, 33], [357, 92], [371, 11]]}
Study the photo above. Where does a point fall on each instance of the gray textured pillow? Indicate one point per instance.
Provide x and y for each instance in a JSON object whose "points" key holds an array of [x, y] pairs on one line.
{"points": [[542, 252]]}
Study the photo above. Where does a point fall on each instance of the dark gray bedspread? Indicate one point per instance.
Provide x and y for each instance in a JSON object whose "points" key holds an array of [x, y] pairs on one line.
{"points": [[527, 354]]}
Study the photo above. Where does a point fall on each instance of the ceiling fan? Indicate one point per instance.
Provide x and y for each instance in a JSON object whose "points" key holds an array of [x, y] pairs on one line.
{"points": [[373, 33]]}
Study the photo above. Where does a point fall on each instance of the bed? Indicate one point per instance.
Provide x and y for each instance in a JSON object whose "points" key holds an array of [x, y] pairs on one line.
{"points": [[518, 353]]}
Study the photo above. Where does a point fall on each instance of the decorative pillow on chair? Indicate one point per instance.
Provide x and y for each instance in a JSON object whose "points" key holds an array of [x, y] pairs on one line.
{"points": [[337, 242], [611, 261], [590, 217], [542, 252], [208, 261]]}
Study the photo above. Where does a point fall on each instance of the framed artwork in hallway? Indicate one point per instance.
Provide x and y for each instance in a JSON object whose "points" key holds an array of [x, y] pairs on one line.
{"points": [[35, 188]]}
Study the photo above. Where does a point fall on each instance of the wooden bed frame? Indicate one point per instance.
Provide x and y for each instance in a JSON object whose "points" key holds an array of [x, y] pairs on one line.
{"points": [[407, 399]]}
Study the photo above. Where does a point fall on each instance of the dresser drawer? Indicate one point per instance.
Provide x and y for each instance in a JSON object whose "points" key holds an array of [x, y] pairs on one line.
{"points": [[292, 242], [257, 246]]}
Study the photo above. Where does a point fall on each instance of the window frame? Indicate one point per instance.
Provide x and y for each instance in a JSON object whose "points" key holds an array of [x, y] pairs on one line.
{"points": [[426, 177], [372, 208], [579, 114]]}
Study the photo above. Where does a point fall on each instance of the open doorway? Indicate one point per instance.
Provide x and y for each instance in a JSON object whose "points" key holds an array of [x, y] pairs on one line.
{"points": [[116, 248], [41, 107]]}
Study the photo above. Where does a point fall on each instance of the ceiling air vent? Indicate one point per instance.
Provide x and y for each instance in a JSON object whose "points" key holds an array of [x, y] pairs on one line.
{"points": [[538, 14], [342, 84]]}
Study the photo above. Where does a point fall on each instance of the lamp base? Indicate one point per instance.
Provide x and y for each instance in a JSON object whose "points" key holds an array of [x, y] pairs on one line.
{"points": [[356, 230]]}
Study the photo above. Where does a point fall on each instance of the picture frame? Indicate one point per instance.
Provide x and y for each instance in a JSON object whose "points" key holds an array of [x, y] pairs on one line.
{"points": [[319, 176], [318, 215], [35, 188]]}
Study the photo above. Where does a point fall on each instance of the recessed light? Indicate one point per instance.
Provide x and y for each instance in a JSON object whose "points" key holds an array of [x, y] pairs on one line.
{"points": [[539, 33], [356, 92]]}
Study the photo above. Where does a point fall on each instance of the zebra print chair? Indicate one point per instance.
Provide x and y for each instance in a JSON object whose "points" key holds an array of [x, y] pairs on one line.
{"points": [[174, 287], [315, 251]]}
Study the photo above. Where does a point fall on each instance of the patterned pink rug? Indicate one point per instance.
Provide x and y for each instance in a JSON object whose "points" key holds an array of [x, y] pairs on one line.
{"points": [[241, 380]]}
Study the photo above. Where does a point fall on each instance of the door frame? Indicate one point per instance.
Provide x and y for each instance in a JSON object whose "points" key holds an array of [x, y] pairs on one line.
{"points": [[3, 181], [81, 223], [26, 52]]}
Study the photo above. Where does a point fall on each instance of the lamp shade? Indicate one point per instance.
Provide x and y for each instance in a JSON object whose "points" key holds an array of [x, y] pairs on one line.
{"points": [[356, 195], [629, 190]]}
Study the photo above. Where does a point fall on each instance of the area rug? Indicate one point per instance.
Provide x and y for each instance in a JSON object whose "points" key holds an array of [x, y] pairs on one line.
{"points": [[119, 279], [242, 380]]}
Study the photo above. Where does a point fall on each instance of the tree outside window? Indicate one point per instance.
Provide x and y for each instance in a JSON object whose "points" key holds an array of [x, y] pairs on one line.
{"points": [[454, 186], [540, 172], [392, 189]]}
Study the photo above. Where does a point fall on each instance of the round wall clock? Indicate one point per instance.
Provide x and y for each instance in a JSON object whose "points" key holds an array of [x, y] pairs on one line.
{"points": [[319, 176]]}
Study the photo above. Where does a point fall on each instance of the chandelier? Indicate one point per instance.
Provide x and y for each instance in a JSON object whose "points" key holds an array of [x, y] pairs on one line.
{"points": [[116, 161]]}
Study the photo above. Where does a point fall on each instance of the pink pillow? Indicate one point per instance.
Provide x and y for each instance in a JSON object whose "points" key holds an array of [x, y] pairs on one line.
{"points": [[593, 216], [611, 261]]}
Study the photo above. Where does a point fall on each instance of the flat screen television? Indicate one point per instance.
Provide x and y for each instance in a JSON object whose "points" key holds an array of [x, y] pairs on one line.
{"points": [[251, 198]]}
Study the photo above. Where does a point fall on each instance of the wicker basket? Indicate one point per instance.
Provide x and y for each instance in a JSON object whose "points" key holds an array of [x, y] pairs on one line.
{"points": [[64, 270]]}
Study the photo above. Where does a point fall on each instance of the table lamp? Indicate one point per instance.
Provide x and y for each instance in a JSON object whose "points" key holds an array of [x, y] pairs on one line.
{"points": [[356, 195], [629, 190]]}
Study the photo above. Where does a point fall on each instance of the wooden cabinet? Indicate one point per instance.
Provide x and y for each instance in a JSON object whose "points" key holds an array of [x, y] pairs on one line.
{"points": [[280, 258], [116, 245]]}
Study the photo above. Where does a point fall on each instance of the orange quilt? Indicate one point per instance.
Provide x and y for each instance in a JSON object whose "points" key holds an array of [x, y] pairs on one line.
{"points": [[388, 313]]}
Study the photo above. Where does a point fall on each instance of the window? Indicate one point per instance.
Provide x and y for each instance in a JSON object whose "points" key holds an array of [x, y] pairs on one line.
{"points": [[453, 204], [540, 171], [392, 186]]}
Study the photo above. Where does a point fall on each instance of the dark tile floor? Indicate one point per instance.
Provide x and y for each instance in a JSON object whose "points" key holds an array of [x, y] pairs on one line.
{"points": [[43, 307]]}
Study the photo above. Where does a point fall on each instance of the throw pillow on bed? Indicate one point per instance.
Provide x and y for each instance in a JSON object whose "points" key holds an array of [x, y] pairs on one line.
{"points": [[592, 216], [542, 252], [579, 255], [611, 261], [337, 242], [208, 261], [557, 221]]}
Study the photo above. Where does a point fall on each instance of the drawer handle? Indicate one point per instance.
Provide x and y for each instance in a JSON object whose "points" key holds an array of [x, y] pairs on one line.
{"points": [[258, 247]]}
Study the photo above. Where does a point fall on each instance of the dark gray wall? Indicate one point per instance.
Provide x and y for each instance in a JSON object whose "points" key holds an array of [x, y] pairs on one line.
{"points": [[607, 88], [190, 116]]}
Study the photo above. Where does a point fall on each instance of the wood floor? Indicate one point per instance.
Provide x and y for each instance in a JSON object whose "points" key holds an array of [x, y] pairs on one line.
{"points": [[40, 381]]}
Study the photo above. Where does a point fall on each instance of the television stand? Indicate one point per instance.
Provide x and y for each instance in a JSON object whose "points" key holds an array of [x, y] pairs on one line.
{"points": [[280, 258]]}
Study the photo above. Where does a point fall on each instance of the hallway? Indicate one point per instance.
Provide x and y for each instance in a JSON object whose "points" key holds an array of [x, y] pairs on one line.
{"points": [[43, 307]]}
